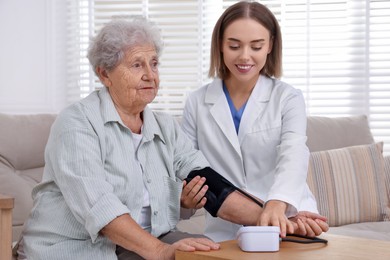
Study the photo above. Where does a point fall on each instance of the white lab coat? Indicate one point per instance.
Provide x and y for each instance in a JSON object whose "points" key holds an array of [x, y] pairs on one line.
{"points": [[268, 157]]}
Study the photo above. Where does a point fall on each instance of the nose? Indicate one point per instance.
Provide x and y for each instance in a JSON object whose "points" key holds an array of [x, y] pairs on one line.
{"points": [[148, 73], [245, 53]]}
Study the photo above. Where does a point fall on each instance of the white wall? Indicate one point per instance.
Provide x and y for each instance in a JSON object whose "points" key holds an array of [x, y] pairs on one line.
{"points": [[32, 44]]}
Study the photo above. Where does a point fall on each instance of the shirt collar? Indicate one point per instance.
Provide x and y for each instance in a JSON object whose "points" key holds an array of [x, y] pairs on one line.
{"points": [[150, 126], [108, 110]]}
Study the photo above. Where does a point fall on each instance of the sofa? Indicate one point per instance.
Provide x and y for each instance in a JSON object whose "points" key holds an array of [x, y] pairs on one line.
{"points": [[348, 174]]}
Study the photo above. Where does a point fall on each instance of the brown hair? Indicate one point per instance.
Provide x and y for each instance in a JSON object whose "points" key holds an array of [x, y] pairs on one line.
{"points": [[259, 13]]}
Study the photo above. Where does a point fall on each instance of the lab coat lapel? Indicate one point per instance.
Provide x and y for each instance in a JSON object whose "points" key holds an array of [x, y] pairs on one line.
{"points": [[255, 106], [220, 112]]}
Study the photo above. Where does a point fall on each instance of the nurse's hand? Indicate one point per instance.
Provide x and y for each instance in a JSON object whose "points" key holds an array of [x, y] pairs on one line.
{"points": [[192, 196], [274, 215], [309, 224]]}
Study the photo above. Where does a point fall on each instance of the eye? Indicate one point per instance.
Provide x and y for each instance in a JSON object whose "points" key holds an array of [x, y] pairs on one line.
{"points": [[137, 65], [256, 48], [154, 65], [234, 47]]}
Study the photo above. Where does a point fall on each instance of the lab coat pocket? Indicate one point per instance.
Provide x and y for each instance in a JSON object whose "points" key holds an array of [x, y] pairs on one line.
{"points": [[173, 189], [266, 137], [262, 145]]}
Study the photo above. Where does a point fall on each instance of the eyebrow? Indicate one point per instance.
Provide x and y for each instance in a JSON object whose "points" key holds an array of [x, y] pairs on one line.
{"points": [[141, 57], [237, 40]]}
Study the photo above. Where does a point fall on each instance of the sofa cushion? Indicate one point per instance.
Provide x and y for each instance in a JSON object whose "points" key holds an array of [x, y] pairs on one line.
{"points": [[325, 133], [195, 224], [349, 184], [22, 143], [369, 230], [23, 139]]}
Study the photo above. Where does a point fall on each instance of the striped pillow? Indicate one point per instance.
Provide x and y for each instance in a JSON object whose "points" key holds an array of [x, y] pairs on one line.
{"points": [[387, 175], [348, 184]]}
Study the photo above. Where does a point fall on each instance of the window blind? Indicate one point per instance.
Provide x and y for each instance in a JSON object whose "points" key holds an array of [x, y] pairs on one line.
{"points": [[336, 51], [180, 70], [78, 73], [378, 78]]}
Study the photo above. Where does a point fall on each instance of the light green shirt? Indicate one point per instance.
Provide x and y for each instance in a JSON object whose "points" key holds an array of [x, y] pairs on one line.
{"points": [[89, 179]]}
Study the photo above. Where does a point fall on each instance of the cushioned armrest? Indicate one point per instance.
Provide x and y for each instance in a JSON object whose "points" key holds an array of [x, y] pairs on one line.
{"points": [[6, 206]]}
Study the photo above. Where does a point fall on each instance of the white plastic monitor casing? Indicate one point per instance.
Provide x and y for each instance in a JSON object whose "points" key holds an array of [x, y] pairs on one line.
{"points": [[258, 238]]}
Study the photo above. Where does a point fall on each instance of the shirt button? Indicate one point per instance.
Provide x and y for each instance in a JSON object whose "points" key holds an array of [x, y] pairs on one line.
{"points": [[155, 213], [149, 181]]}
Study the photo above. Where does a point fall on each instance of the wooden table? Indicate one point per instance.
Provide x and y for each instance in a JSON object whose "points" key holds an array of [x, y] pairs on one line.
{"points": [[338, 248], [6, 206]]}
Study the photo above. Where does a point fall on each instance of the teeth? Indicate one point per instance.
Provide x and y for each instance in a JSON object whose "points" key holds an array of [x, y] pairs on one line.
{"points": [[244, 67]]}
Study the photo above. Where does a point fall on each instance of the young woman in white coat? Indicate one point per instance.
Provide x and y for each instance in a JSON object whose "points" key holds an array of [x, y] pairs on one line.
{"points": [[251, 126]]}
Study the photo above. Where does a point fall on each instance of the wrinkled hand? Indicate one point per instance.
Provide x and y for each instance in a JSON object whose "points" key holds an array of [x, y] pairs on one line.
{"points": [[309, 224], [274, 215], [192, 196], [167, 251]]}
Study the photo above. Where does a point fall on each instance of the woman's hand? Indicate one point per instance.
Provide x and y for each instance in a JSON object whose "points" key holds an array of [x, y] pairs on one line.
{"points": [[192, 196], [167, 251], [274, 215], [309, 224]]}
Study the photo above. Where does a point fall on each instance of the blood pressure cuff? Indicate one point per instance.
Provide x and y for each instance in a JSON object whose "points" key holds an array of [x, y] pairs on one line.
{"points": [[219, 188]]}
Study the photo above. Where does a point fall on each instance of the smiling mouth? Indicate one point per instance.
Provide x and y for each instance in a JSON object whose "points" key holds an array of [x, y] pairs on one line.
{"points": [[244, 68]]}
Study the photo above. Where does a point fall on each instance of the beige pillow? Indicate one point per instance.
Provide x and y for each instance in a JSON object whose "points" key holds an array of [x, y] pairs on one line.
{"points": [[349, 184]]}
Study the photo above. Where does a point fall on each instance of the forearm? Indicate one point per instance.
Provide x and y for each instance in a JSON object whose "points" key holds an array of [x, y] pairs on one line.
{"points": [[239, 209], [124, 231], [228, 202]]}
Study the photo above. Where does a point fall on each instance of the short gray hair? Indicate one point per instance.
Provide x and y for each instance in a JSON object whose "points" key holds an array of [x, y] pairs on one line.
{"points": [[108, 47]]}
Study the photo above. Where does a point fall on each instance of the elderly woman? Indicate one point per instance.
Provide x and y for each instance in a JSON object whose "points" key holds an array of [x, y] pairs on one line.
{"points": [[112, 180]]}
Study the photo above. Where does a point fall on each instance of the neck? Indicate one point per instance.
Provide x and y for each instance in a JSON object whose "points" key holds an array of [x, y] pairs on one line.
{"points": [[239, 91], [133, 121], [237, 87]]}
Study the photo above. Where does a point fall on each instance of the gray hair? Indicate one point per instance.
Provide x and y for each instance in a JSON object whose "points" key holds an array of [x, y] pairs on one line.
{"points": [[108, 47]]}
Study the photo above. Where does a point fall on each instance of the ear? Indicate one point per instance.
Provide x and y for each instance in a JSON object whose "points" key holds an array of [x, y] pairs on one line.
{"points": [[103, 76]]}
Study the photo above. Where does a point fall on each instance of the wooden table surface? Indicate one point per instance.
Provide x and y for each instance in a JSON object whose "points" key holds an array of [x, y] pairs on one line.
{"points": [[338, 248]]}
